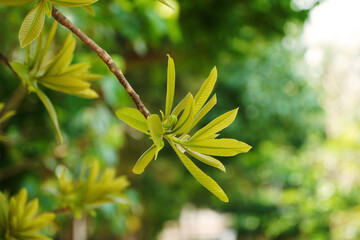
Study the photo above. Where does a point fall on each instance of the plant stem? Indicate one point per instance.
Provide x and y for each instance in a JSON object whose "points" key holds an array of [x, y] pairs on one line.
{"points": [[105, 57]]}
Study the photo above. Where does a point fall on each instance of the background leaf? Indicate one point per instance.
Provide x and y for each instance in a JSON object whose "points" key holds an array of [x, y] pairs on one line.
{"points": [[32, 24]]}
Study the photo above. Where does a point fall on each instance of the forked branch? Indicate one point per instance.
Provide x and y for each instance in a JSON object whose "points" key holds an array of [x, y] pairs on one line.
{"points": [[105, 57]]}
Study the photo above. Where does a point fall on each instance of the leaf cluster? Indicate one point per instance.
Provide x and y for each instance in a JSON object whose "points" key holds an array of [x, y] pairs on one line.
{"points": [[55, 72], [19, 219], [33, 23], [175, 125], [89, 191]]}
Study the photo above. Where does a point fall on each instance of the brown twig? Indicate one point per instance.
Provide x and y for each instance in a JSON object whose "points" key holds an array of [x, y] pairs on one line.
{"points": [[105, 57], [7, 62], [17, 96], [61, 210]]}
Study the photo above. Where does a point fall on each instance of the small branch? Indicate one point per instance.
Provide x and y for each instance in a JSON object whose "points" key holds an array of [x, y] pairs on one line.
{"points": [[17, 96], [105, 57], [61, 210], [7, 62]]}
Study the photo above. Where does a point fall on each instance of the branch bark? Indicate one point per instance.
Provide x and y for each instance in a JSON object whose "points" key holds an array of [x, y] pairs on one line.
{"points": [[105, 57]]}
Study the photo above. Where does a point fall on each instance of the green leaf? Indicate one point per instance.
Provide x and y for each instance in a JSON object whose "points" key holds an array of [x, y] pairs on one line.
{"points": [[166, 4], [144, 160], [170, 86], [16, 2], [73, 3], [206, 159], [49, 39], [133, 118], [21, 71], [156, 131], [218, 147], [89, 9], [63, 58], [205, 90], [216, 125], [209, 105], [181, 105], [50, 108], [6, 116], [32, 24], [64, 82], [48, 9], [200, 176], [186, 118]]}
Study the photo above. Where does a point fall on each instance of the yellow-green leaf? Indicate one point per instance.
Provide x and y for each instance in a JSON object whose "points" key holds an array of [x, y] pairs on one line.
{"points": [[49, 39], [177, 110], [89, 9], [216, 125], [186, 118], [87, 93], [51, 110], [170, 86], [16, 2], [205, 90], [144, 160], [63, 58], [73, 3], [156, 131], [32, 24], [21, 71], [166, 3], [200, 176], [6, 116], [218, 147], [206, 159], [48, 9], [209, 105], [133, 118]]}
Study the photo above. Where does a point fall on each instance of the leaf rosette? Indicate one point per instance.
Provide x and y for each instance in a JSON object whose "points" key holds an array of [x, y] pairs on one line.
{"points": [[176, 123], [55, 72], [19, 219]]}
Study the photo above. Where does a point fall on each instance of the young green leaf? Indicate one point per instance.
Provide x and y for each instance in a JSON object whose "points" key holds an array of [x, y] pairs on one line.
{"points": [[170, 86], [200, 176], [32, 24], [48, 42], [218, 147], [166, 4], [206, 159], [6, 116], [63, 58], [89, 9], [48, 9], [209, 105], [21, 71], [133, 118], [186, 118], [16, 2], [73, 3], [156, 131], [216, 125], [144, 160], [205, 90], [183, 103], [50, 108]]}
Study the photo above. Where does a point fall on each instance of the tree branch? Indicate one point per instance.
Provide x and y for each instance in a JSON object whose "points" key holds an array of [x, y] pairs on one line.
{"points": [[6, 61], [17, 96], [105, 57]]}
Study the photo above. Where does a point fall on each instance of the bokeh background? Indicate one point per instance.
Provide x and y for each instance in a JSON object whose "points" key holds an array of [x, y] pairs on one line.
{"points": [[291, 66]]}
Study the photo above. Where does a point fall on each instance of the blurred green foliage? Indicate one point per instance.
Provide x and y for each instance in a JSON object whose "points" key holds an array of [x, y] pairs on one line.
{"points": [[288, 187]]}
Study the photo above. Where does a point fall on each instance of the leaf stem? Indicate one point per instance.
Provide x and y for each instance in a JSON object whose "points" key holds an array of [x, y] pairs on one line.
{"points": [[104, 56]]}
